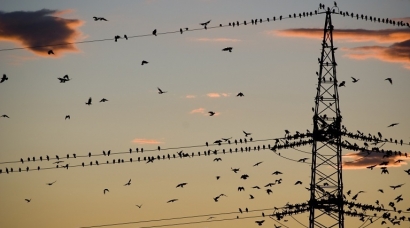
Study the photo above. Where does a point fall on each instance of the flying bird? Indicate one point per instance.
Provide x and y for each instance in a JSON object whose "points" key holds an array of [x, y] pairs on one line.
{"points": [[393, 124], [257, 164], [240, 94], [211, 113], [396, 186], [205, 24], [28, 200], [64, 79], [245, 176], [128, 183], [67, 117], [160, 91], [260, 222], [246, 134], [99, 19], [227, 49], [277, 173], [303, 160], [139, 206], [217, 159], [106, 190], [103, 100], [143, 62], [172, 200], [4, 78], [51, 183], [390, 80], [342, 84], [355, 80], [50, 52], [5, 116], [181, 185], [298, 182], [89, 101]]}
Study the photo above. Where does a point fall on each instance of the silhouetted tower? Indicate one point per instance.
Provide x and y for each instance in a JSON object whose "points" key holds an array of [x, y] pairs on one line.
{"points": [[326, 185]]}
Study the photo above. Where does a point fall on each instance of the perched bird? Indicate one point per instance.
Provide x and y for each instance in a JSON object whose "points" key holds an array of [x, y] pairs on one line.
{"points": [[50, 52], [227, 49], [154, 32], [260, 222], [172, 200], [240, 94], [355, 80], [160, 91], [4, 78], [89, 101], [128, 183], [246, 134], [126, 37], [117, 37], [393, 124], [181, 185], [211, 113], [390, 80], [103, 100], [371, 167], [67, 117], [143, 62], [106, 190]]}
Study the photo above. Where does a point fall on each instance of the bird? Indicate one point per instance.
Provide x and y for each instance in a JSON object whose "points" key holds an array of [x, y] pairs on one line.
{"points": [[51, 183], [181, 185], [393, 124], [217, 177], [67, 117], [246, 134], [396, 186], [335, 3], [139, 206], [235, 170], [89, 101], [298, 182], [103, 100], [4, 78], [211, 113], [205, 24], [128, 183], [277, 173], [5, 116], [28, 200], [227, 49], [126, 37], [390, 80], [407, 171], [257, 164], [241, 189], [355, 80], [143, 62], [117, 37], [269, 191], [172, 200], [64, 79], [99, 19], [240, 94], [260, 222], [50, 52], [106, 190], [303, 160], [154, 32], [217, 159], [371, 167], [342, 84], [245, 176], [160, 91], [251, 196]]}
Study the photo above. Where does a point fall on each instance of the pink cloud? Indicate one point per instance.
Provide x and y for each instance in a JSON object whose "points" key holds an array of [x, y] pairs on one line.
{"points": [[190, 96], [37, 29], [361, 160], [216, 95], [146, 141], [198, 110]]}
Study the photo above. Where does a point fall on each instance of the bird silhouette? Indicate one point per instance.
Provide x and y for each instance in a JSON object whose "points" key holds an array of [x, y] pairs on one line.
{"points": [[211, 113], [260, 222], [67, 117], [144, 62], [235, 170], [355, 80], [298, 182], [154, 32], [172, 200], [390, 80], [217, 177], [245, 176], [393, 124], [51, 183], [4, 78], [407, 171], [160, 91], [50, 52], [103, 100], [371, 167], [5, 116], [217, 159], [99, 19], [303, 160], [117, 37], [126, 37], [343, 83], [181, 185], [241, 189], [257, 164], [28, 200], [128, 183], [240, 94], [246, 134], [251, 196], [227, 49], [205, 24], [106, 190], [89, 101], [396, 186], [139, 206], [269, 191], [277, 173]]}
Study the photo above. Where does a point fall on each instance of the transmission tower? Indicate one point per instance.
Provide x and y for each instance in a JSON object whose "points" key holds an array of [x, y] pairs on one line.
{"points": [[326, 185]]}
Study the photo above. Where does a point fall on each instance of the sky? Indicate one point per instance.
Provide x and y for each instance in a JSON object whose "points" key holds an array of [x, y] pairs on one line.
{"points": [[272, 63]]}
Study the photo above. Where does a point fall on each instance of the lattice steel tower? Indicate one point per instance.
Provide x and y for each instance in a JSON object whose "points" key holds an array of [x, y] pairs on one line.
{"points": [[326, 185]]}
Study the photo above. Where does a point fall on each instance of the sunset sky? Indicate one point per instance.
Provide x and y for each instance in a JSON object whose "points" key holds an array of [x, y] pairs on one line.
{"points": [[272, 63]]}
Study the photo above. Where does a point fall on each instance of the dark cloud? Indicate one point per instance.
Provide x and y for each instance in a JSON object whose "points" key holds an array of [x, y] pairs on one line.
{"points": [[361, 160], [40, 28]]}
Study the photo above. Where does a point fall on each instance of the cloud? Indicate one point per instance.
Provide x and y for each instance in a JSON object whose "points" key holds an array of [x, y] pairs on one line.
{"points": [[217, 40], [146, 141], [361, 160], [198, 110], [397, 52], [34, 29], [216, 95], [190, 96]]}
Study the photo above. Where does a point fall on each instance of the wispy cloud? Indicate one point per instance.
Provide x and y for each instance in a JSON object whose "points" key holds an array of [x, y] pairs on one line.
{"points": [[198, 110], [397, 52], [40, 28], [216, 95], [146, 141], [190, 96], [226, 40], [361, 160]]}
